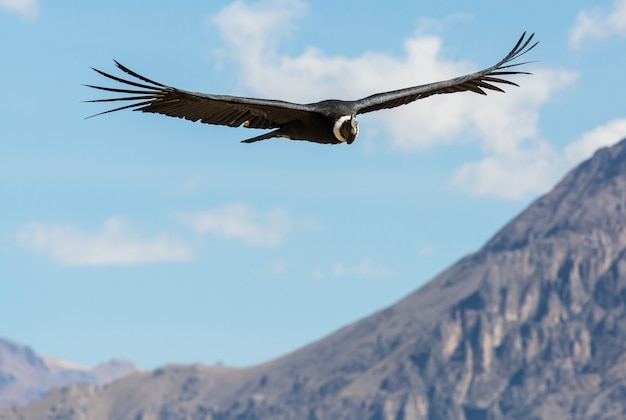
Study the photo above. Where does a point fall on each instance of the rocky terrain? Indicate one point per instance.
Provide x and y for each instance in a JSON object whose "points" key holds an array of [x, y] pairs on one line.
{"points": [[532, 326]]}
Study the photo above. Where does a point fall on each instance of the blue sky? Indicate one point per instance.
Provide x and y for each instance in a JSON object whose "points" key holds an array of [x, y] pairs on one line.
{"points": [[163, 241]]}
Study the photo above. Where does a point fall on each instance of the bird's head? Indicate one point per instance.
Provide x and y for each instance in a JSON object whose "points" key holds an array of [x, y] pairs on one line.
{"points": [[346, 129]]}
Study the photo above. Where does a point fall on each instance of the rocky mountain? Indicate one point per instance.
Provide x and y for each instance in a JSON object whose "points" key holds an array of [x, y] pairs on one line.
{"points": [[26, 376], [532, 326]]}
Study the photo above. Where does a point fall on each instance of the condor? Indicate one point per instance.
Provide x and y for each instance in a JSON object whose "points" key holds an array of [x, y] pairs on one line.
{"points": [[330, 121]]}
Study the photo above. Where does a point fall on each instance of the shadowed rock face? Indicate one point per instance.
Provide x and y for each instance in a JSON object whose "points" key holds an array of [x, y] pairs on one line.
{"points": [[530, 326]]}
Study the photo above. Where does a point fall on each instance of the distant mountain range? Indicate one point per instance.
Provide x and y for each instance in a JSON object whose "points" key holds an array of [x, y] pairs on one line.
{"points": [[532, 326], [26, 376]]}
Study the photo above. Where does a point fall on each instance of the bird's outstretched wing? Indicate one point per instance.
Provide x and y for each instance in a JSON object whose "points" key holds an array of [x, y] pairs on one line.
{"points": [[149, 96], [476, 82]]}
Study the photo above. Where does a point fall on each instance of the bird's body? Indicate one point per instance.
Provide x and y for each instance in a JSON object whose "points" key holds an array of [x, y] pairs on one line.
{"points": [[329, 121], [322, 126]]}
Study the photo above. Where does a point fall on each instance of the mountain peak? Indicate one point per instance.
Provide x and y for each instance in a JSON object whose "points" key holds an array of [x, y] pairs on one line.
{"points": [[591, 196], [26, 376], [10, 351], [530, 326]]}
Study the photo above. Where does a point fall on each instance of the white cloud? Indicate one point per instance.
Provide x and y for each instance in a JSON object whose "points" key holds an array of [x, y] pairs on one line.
{"points": [[114, 244], [365, 268], [602, 136], [511, 176], [598, 24], [426, 251], [241, 222], [26, 8], [506, 125], [534, 169], [516, 162], [252, 29], [313, 75]]}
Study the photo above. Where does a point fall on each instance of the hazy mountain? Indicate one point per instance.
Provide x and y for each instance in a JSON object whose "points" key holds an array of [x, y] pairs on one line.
{"points": [[26, 376], [531, 326]]}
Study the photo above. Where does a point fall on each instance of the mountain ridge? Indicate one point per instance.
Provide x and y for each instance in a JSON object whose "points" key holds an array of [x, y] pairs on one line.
{"points": [[531, 325], [26, 375]]}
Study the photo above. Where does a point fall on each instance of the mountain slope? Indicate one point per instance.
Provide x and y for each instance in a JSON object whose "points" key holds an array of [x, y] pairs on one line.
{"points": [[26, 376], [530, 326]]}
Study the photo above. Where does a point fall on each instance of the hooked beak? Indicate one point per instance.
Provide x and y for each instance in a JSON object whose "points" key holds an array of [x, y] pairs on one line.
{"points": [[354, 130]]}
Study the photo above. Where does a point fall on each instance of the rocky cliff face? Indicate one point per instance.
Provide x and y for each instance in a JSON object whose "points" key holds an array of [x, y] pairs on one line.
{"points": [[531, 326]]}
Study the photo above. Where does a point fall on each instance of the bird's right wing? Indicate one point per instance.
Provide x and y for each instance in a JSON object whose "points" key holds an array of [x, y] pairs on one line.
{"points": [[149, 96], [475, 82]]}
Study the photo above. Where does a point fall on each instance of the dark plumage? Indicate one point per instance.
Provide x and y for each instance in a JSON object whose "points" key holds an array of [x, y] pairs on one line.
{"points": [[330, 121]]}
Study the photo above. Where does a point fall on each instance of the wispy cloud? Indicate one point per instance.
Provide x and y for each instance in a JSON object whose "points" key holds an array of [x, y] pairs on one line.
{"points": [[506, 125], [114, 244], [426, 251], [274, 269], [599, 24], [534, 169], [255, 28], [513, 177], [367, 267], [239, 221], [26, 8], [602, 136], [517, 161]]}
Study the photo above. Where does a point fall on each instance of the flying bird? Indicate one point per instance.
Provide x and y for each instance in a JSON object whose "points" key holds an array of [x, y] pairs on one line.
{"points": [[331, 121]]}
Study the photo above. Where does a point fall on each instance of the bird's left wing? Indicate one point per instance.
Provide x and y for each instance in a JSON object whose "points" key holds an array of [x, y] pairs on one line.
{"points": [[475, 82], [149, 96]]}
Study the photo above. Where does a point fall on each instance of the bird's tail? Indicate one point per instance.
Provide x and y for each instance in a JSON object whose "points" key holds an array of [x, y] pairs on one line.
{"points": [[262, 137]]}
